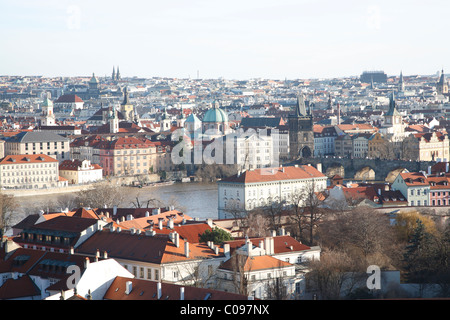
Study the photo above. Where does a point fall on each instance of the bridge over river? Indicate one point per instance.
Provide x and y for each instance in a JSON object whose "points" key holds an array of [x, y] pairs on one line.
{"points": [[365, 169]]}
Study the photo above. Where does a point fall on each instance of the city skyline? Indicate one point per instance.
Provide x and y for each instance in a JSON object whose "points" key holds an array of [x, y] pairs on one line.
{"points": [[234, 40]]}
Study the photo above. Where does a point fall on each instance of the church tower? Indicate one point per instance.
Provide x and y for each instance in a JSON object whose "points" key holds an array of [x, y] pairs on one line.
{"points": [[48, 117], [113, 120], [126, 107], [393, 122], [301, 134], [401, 83], [441, 85], [113, 76]]}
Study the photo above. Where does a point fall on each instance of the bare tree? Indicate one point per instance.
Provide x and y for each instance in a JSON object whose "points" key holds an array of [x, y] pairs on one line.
{"points": [[8, 205], [103, 195]]}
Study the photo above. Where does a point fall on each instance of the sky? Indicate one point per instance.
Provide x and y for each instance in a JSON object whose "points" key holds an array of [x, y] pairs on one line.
{"points": [[233, 39]]}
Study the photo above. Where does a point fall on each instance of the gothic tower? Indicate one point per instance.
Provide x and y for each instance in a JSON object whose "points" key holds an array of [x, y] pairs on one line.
{"points": [[442, 86], [301, 134]]}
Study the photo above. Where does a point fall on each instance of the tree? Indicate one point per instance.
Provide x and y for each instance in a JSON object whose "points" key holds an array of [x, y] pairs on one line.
{"points": [[7, 206], [407, 222], [103, 195], [217, 235], [334, 276]]}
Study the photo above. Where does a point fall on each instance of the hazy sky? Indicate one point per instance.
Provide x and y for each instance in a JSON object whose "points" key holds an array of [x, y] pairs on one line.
{"points": [[234, 39]]}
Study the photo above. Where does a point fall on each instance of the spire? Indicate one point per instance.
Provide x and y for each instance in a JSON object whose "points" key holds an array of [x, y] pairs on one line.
{"points": [[300, 110], [114, 74], [118, 74], [125, 97], [392, 106]]}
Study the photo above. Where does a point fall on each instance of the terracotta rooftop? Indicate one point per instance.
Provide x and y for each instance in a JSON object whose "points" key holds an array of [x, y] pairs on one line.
{"points": [[276, 174], [147, 290]]}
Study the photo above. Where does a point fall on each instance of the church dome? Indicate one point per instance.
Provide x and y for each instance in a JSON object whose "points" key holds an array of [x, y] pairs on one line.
{"points": [[215, 115]]}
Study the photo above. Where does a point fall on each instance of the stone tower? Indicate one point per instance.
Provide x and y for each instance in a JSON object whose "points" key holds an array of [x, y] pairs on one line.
{"points": [[301, 134]]}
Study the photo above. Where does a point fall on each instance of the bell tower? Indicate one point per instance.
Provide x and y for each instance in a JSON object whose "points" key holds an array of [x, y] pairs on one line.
{"points": [[301, 134]]}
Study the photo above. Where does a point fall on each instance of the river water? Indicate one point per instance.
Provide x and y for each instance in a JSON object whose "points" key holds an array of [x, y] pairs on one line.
{"points": [[198, 200]]}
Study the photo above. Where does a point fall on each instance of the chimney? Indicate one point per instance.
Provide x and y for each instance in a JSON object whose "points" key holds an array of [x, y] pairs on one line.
{"points": [[261, 244], [147, 214], [429, 170], [274, 233], [129, 217], [119, 229], [186, 249], [209, 222], [446, 167], [105, 255], [319, 167], [71, 250], [226, 250], [97, 254], [176, 239], [182, 293], [282, 231], [114, 210], [249, 247], [86, 262], [272, 245], [122, 219], [159, 290], [170, 226], [128, 287], [160, 223], [107, 214], [216, 250]]}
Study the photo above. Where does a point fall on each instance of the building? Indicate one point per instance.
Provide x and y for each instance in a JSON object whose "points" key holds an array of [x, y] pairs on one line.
{"points": [[38, 142], [265, 262], [373, 76], [215, 123], [157, 257], [47, 116], [324, 138], [59, 234], [415, 188], [125, 156], [261, 187], [301, 133], [429, 146], [80, 171], [29, 171], [67, 103], [442, 85]]}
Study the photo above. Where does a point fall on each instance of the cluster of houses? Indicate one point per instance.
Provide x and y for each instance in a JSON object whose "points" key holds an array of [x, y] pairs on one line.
{"points": [[128, 253]]}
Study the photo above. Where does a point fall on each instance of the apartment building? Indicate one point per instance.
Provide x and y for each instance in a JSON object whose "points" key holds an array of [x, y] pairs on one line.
{"points": [[29, 171], [258, 188], [38, 142]]}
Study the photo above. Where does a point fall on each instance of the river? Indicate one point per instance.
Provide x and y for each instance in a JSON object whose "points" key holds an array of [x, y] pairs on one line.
{"points": [[198, 200]]}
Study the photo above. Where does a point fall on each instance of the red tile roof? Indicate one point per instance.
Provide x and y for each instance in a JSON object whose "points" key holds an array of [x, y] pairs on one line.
{"points": [[276, 174], [147, 290], [22, 287], [29, 158]]}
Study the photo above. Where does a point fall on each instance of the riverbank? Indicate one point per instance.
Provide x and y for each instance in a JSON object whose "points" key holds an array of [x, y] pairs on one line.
{"points": [[119, 181]]}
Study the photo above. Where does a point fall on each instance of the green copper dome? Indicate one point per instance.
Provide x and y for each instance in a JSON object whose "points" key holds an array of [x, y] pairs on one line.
{"points": [[215, 115]]}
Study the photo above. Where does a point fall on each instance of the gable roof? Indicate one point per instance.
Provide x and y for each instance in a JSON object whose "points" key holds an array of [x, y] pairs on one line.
{"points": [[25, 159], [276, 174], [147, 290], [254, 263], [19, 288]]}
